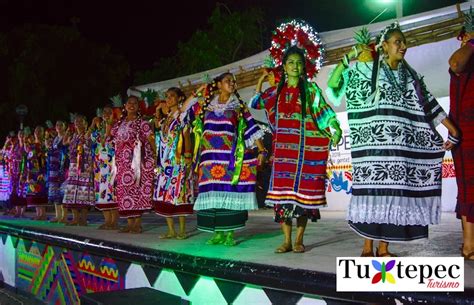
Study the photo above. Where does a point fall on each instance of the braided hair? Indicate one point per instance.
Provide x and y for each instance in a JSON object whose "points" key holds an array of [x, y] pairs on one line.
{"points": [[124, 115], [198, 124], [179, 93], [211, 92], [302, 83], [384, 36]]}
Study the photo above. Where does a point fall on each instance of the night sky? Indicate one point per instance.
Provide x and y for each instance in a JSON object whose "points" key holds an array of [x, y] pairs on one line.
{"points": [[144, 31]]}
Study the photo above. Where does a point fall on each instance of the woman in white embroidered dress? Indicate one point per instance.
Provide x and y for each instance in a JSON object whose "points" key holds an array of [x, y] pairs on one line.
{"points": [[396, 150]]}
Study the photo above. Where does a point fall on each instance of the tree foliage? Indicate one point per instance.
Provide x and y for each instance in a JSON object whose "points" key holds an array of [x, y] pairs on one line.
{"points": [[53, 71], [230, 37]]}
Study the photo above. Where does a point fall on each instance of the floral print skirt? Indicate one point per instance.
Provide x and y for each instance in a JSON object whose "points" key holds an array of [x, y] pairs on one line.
{"points": [[284, 213]]}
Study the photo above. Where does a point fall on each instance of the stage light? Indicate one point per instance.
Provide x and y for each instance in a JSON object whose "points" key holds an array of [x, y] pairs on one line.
{"points": [[389, 3]]}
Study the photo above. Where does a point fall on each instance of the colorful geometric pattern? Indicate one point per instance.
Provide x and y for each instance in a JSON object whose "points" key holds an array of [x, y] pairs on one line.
{"points": [[5, 184], [341, 166], [174, 183], [60, 276], [37, 192], [79, 185], [300, 147], [56, 163], [103, 164], [217, 163], [448, 168]]}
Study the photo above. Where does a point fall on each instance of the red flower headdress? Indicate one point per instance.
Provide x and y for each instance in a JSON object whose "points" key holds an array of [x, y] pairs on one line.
{"points": [[300, 34]]}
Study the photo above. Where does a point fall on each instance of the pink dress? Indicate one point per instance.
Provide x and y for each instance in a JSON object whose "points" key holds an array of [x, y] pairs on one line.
{"points": [[133, 196]]}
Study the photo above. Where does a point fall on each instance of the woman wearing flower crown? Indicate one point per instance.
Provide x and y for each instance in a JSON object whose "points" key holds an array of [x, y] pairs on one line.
{"points": [[396, 150], [135, 161], [224, 130], [301, 122], [174, 192], [461, 112]]}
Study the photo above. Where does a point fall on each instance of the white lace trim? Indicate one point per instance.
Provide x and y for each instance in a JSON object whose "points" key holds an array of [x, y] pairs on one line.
{"points": [[395, 210], [219, 108], [250, 142]]}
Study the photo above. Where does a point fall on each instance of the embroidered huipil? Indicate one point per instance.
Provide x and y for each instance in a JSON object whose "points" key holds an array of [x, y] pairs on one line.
{"points": [[5, 183], [133, 197], [174, 180], [300, 146], [395, 148], [37, 193], [79, 191], [104, 153], [57, 162], [216, 152]]}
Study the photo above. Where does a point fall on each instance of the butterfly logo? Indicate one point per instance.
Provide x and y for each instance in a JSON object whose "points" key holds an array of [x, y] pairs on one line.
{"points": [[383, 274]]}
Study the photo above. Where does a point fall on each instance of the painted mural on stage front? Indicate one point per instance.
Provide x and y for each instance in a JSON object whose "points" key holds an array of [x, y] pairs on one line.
{"points": [[60, 276]]}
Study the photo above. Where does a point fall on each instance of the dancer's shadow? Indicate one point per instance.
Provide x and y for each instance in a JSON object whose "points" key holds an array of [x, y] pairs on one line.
{"points": [[337, 238], [193, 232], [261, 234]]}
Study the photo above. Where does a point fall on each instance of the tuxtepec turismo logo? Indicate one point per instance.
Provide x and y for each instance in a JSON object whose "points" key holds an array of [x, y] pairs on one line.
{"points": [[400, 274]]}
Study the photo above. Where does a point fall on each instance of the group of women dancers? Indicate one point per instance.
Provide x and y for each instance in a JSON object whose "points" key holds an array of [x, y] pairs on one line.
{"points": [[201, 153]]}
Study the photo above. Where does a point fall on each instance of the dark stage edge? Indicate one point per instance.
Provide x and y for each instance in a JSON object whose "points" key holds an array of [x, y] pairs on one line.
{"points": [[280, 279], [11, 295]]}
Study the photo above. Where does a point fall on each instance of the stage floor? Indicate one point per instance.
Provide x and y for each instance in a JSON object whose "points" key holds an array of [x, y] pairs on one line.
{"points": [[325, 240]]}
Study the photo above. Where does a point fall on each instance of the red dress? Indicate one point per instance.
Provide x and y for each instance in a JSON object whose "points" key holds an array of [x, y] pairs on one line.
{"points": [[461, 112], [133, 197], [300, 151]]}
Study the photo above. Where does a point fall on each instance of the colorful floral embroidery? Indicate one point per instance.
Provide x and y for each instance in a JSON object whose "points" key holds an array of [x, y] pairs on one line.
{"points": [[217, 171], [245, 173]]}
